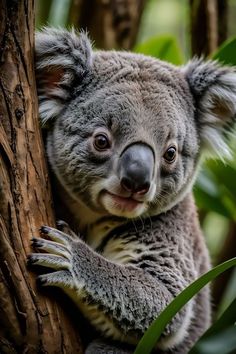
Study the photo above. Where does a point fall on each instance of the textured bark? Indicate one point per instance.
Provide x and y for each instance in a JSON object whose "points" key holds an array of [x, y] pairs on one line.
{"points": [[208, 20], [29, 321], [110, 23]]}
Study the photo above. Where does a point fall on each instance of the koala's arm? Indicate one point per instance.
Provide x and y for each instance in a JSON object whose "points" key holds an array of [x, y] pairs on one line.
{"points": [[128, 294]]}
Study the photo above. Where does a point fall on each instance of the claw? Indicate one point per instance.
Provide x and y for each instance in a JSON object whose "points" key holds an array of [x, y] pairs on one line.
{"points": [[56, 235], [49, 260], [61, 279], [41, 280], [64, 227], [61, 224], [51, 247], [36, 243], [30, 260], [44, 229]]}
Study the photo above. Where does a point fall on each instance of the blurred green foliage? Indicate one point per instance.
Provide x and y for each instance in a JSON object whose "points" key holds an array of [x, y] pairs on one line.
{"points": [[166, 17], [220, 337], [226, 53], [164, 47]]}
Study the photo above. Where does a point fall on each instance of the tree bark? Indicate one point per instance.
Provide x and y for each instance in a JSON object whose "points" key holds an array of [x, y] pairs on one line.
{"points": [[208, 24], [112, 24], [29, 321]]}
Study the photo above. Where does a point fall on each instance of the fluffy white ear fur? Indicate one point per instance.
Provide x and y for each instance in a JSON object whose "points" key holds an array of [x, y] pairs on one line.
{"points": [[63, 58], [214, 91]]}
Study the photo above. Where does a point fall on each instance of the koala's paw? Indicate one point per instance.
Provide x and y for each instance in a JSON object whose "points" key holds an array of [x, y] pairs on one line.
{"points": [[57, 255]]}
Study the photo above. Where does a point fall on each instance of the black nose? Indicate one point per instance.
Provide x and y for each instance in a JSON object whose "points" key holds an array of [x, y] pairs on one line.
{"points": [[135, 168]]}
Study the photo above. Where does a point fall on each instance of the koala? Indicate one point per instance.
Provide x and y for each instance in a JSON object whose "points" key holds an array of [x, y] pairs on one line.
{"points": [[125, 134]]}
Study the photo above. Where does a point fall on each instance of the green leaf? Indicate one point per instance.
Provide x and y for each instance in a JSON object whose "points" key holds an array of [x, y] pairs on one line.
{"points": [[227, 52], [229, 294], [164, 47], [208, 203], [215, 188], [221, 332], [225, 174], [219, 343], [208, 195], [151, 336]]}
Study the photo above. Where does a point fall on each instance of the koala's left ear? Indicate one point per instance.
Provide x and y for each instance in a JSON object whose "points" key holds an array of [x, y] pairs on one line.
{"points": [[214, 91], [63, 59]]}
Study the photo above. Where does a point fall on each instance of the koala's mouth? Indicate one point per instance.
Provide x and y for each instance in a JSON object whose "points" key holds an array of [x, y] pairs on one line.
{"points": [[122, 206], [124, 202]]}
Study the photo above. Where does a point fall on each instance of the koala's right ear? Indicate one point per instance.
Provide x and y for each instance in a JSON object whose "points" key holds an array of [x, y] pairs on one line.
{"points": [[63, 59], [214, 90]]}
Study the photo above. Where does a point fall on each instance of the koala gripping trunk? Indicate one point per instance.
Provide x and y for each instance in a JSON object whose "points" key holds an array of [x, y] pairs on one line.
{"points": [[27, 324]]}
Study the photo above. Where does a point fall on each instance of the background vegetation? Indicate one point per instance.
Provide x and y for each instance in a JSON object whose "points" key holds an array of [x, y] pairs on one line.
{"points": [[172, 30]]}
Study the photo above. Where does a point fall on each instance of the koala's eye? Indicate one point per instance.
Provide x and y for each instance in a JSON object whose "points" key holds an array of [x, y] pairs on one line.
{"points": [[170, 154], [101, 142]]}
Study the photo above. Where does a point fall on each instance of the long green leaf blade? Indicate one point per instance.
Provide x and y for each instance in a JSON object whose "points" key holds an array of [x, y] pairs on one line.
{"points": [[154, 332]]}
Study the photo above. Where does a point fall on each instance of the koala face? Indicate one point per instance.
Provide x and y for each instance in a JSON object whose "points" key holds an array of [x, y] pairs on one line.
{"points": [[129, 144], [125, 131]]}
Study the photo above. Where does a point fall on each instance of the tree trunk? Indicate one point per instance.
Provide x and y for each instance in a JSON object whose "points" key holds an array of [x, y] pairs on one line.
{"points": [[112, 24], [29, 322], [208, 23]]}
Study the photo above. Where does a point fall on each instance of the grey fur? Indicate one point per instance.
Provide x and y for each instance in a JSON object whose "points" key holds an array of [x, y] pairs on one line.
{"points": [[128, 265], [58, 51], [214, 89]]}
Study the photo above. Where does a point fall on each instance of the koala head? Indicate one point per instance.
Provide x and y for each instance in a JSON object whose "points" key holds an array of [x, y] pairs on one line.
{"points": [[125, 132]]}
